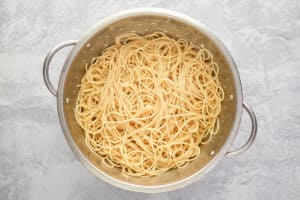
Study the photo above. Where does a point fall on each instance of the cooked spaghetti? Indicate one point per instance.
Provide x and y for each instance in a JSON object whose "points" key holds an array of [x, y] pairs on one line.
{"points": [[147, 103]]}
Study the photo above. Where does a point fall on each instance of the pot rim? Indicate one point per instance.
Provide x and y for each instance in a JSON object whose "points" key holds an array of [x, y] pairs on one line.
{"points": [[156, 12]]}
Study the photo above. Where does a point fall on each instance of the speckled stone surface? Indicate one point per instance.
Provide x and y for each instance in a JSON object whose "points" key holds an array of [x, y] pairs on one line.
{"points": [[264, 39]]}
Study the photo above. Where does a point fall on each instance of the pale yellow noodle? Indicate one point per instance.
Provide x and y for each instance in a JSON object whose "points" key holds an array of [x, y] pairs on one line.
{"points": [[147, 103]]}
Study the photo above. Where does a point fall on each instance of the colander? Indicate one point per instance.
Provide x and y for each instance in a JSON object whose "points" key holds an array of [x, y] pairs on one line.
{"points": [[144, 21]]}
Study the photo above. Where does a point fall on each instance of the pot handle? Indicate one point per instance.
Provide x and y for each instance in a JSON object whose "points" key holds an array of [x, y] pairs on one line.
{"points": [[47, 61], [251, 139]]}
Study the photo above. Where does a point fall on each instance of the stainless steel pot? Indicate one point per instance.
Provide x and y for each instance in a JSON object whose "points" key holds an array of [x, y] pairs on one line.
{"points": [[143, 21]]}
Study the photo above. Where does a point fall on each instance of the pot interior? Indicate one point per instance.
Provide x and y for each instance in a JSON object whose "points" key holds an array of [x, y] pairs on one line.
{"points": [[145, 24]]}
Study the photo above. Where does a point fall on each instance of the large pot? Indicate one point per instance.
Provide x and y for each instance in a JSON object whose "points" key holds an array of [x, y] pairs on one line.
{"points": [[143, 21]]}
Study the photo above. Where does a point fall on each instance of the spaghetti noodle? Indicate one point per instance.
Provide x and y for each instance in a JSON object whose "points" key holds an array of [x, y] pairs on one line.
{"points": [[147, 103]]}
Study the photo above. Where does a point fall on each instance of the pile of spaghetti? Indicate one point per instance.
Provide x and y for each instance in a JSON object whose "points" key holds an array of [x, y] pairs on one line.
{"points": [[147, 103]]}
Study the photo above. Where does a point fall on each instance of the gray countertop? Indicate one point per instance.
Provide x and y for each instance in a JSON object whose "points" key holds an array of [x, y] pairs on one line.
{"points": [[264, 39]]}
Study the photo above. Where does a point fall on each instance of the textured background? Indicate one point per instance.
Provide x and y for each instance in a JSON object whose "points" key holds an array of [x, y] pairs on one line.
{"points": [[264, 39]]}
